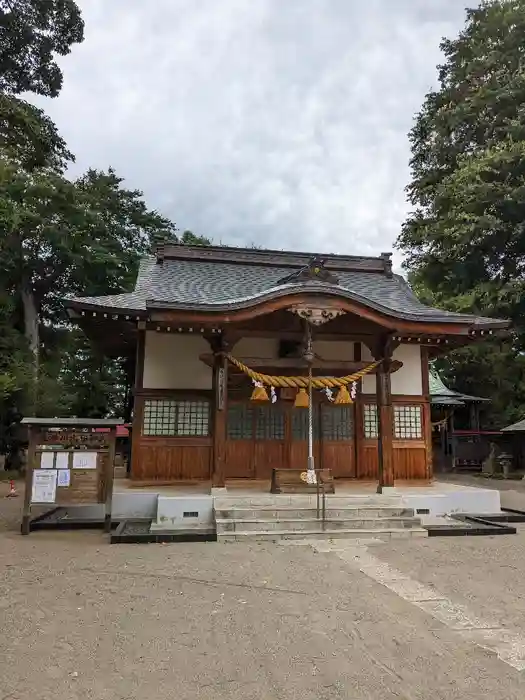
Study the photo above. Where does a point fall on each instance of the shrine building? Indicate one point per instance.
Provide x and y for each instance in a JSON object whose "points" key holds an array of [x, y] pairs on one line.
{"points": [[223, 340]]}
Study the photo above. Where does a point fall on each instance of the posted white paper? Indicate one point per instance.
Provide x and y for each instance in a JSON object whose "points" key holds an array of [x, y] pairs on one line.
{"points": [[62, 461], [44, 486], [47, 460], [84, 460], [64, 477]]}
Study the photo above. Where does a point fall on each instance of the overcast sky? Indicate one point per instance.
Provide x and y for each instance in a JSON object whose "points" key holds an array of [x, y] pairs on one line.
{"points": [[281, 123]]}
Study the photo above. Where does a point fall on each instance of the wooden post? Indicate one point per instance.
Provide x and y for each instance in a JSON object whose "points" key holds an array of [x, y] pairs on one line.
{"points": [[385, 416], [427, 416], [220, 411], [136, 427], [359, 428], [110, 473], [30, 462]]}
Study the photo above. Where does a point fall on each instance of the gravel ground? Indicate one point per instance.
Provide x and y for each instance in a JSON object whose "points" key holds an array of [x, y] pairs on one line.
{"points": [[83, 619], [486, 573]]}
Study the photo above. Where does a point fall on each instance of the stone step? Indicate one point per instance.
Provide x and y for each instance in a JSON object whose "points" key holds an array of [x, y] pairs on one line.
{"points": [[275, 536], [271, 513], [299, 524], [306, 501]]}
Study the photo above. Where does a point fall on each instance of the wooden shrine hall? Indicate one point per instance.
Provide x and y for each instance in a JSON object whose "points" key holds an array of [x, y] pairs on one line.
{"points": [[225, 340]]}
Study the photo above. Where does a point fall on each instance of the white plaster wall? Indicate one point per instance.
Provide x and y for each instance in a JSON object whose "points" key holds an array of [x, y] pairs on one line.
{"points": [[406, 380], [256, 347], [334, 350], [171, 361]]}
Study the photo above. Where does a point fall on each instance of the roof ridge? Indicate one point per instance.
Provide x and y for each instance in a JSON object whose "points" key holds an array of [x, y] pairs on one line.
{"points": [[273, 258]]}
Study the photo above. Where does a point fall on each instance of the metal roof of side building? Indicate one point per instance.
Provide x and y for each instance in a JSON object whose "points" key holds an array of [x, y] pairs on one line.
{"points": [[218, 279], [518, 427], [441, 394]]}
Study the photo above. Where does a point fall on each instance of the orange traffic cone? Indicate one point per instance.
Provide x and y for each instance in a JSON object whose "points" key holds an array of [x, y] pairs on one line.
{"points": [[12, 491]]}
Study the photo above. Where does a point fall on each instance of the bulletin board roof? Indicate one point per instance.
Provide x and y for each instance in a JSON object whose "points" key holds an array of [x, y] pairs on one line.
{"points": [[74, 422]]}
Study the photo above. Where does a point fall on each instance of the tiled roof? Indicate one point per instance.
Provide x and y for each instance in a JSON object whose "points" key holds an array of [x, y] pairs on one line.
{"points": [[193, 283]]}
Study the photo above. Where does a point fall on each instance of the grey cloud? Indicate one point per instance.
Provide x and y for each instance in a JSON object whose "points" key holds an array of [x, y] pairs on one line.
{"points": [[281, 123]]}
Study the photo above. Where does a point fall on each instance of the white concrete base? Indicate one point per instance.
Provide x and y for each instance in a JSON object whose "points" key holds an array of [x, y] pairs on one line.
{"points": [[167, 509], [445, 499], [184, 513]]}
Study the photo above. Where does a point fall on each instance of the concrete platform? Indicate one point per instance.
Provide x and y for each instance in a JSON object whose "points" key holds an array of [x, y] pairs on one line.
{"points": [[438, 498]]}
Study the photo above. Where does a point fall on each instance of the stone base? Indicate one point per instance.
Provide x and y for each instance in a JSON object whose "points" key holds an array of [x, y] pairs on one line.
{"points": [[218, 491]]}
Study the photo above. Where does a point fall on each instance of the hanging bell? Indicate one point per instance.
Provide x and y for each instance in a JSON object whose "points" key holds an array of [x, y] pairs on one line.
{"points": [[301, 399], [342, 396], [259, 393]]}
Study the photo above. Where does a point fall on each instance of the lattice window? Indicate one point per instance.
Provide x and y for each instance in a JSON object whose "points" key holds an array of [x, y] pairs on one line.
{"points": [[240, 421], [370, 420], [269, 423], [171, 417], [300, 424], [407, 422], [337, 422], [193, 418]]}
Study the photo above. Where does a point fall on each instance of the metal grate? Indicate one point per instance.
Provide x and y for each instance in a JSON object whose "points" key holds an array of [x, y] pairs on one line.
{"points": [[407, 422], [370, 420], [176, 418]]}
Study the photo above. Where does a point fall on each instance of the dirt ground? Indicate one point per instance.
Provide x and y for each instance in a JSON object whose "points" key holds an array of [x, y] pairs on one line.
{"points": [[82, 619]]}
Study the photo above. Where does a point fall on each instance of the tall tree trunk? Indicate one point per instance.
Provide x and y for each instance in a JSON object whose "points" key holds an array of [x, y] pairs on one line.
{"points": [[31, 332]]}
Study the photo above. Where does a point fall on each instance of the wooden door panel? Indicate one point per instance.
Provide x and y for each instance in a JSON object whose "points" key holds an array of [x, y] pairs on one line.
{"points": [[299, 455], [268, 455], [339, 457], [239, 459]]}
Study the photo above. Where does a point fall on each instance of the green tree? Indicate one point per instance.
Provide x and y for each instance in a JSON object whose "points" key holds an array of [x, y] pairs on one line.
{"points": [[32, 32], [464, 243], [59, 237], [29, 138], [190, 238]]}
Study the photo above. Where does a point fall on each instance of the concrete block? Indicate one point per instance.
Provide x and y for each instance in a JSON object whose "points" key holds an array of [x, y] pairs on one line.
{"points": [[184, 513]]}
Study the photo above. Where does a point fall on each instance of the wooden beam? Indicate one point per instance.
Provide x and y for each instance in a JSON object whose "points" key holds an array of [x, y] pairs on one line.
{"points": [[388, 322]]}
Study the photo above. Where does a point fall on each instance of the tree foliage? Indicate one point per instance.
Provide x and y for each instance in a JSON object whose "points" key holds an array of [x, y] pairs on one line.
{"points": [[32, 32], [57, 236], [30, 138], [465, 240]]}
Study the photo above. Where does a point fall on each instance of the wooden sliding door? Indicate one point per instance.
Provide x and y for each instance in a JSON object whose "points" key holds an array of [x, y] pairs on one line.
{"points": [[263, 436]]}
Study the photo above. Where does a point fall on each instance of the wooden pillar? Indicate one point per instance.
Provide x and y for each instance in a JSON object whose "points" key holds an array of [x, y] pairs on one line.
{"points": [[452, 441], [220, 411], [136, 428], [385, 416], [359, 428], [474, 416], [427, 415], [108, 481]]}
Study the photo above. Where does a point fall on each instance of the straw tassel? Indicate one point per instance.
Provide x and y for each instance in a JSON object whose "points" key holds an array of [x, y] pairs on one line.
{"points": [[343, 396], [259, 393], [301, 399]]}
